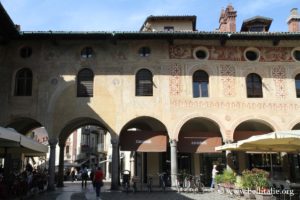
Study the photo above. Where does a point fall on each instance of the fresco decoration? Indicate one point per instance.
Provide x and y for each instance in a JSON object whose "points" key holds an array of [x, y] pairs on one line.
{"points": [[279, 77], [267, 54], [226, 53], [235, 105], [180, 52], [275, 54], [227, 76], [175, 80]]}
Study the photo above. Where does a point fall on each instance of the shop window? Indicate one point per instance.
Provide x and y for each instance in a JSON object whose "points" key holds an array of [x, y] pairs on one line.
{"points": [[23, 82], [87, 52], [200, 84], [254, 86], [266, 161], [297, 83], [85, 83], [144, 83]]}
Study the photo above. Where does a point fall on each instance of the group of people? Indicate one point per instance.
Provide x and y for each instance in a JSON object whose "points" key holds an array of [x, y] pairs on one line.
{"points": [[20, 184]]}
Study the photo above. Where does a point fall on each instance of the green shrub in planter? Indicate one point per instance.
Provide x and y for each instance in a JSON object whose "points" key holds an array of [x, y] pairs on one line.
{"points": [[226, 179], [255, 179], [219, 178], [229, 176]]}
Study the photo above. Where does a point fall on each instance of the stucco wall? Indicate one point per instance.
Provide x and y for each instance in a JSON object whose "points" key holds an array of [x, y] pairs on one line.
{"points": [[56, 64]]}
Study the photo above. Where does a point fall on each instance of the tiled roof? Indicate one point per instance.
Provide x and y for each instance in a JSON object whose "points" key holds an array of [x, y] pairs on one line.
{"points": [[160, 35]]}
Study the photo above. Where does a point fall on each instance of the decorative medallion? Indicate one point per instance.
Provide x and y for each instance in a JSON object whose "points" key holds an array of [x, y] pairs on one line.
{"points": [[175, 80], [227, 76], [279, 76]]}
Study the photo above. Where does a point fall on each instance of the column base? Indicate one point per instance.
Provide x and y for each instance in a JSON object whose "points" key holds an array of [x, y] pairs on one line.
{"points": [[60, 184], [51, 188]]}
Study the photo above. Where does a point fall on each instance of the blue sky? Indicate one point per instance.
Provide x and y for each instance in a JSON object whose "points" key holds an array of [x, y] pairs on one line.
{"points": [[129, 15]]}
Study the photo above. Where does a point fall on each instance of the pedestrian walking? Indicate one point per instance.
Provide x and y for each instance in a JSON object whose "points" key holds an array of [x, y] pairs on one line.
{"points": [[98, 180], [84, 177], [213, 176], [73, 175]]}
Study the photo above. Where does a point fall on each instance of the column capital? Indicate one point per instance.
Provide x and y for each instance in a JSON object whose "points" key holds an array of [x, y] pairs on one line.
{"points": [[114, 142], [61, 144], [228, 141], [53, 142], [173, 142]]}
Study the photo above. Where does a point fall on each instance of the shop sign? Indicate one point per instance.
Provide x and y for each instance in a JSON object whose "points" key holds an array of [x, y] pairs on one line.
{"points": [[199, 142], [143, 141]]}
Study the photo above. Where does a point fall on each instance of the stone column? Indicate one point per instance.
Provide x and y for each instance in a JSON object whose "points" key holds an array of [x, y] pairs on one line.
{"points": [[107, 173], [229, 160], [132, 163], [115, 164], [60, 178], [173, 145], [51, 170]]}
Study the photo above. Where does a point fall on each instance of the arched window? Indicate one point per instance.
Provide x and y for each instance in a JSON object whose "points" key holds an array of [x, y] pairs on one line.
{"points": [[297, 83], [23, 82], [143, 83], [200, 84], [85, 83], [254, 86]]}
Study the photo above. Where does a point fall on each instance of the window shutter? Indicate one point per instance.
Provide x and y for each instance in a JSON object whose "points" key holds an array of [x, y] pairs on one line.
{"points": [[85, 83]]}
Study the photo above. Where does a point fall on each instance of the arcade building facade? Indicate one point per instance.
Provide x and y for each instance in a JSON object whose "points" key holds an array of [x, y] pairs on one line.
{"points": [[167, 94]]}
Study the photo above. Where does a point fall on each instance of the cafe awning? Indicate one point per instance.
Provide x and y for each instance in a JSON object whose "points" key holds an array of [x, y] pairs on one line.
{"points": [[9, 138], [143, 141], [32, 145], [12, 139], [199, 142]]}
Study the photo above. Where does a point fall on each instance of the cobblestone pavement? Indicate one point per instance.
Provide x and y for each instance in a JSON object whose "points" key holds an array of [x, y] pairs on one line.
{"points": [[75, 192]]}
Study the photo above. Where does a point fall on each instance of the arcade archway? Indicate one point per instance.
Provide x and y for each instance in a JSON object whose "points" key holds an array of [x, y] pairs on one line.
{"points": [[197, 140], [144, 144]]}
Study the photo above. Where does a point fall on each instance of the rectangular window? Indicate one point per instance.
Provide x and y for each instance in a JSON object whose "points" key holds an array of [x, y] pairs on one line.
{"points": [[257, 28], [169, 28], [298, 88], [67, 149], [200, 89]]}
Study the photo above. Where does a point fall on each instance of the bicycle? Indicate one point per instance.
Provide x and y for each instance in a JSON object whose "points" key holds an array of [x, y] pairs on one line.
{"points": [[135, 179], [198, 183], [162, 177], [179, 182], [126, 180], [149, 183]]}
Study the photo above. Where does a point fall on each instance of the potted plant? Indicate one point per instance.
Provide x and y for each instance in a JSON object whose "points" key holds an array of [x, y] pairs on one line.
{"points": [[226, 180], [248, 184], [255, 184], [261, 184], [219, 183]]}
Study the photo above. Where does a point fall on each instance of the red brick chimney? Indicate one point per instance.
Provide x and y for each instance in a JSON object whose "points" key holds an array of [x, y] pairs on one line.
{"points": [[293, 21], [228, 19]]}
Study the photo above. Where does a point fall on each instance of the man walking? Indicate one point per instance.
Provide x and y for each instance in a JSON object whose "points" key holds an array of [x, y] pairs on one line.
{"points": [[98, 180]]}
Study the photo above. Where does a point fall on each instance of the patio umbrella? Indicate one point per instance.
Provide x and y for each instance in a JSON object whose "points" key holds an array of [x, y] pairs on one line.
{"points": [[279, 141]]}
